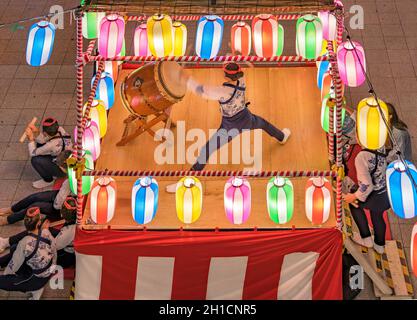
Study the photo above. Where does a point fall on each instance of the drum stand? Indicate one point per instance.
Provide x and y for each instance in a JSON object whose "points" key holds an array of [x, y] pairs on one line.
{"points": [[142, 124]]}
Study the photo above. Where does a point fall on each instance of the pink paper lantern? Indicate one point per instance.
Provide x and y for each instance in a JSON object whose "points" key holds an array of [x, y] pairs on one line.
{"points": [[351, 59], [90, 139], [237, 200], [112, 32], [329, 23], [141, 41]]}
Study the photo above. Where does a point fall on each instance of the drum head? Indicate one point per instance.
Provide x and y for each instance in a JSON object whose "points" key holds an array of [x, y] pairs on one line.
{"points": [[169, 76]]}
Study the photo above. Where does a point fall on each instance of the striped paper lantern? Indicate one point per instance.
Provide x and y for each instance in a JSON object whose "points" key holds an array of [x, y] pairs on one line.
{"points": [[330, 102], [91, 24], [189, 199], [329, 23], [112, 68], [402, 192], [322, 68], [87, 182], [241, 36], [324, 49], [40, 43], [209, 36], [371, 130], [160, 39], [268, 36], [180, 38], [98, 114], [326, 85], [309, 36], [318, 200], [112, 33], [90, 139], [105, 90], [103, 200], [413, 248], [351, 59], [280, 200], [144, 200], [237, 200], [140, 41]]}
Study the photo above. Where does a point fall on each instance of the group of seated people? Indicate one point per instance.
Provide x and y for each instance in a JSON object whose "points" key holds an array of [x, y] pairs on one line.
{"points": [[29, 258], [364, 186]]}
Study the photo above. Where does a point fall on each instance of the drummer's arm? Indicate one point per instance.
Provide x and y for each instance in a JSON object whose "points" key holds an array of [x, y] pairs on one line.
{"points": [[208, 92]]}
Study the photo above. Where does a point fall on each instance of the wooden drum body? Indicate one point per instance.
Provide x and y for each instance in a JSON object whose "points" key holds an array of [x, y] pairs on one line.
{"points": [[153, 88]]}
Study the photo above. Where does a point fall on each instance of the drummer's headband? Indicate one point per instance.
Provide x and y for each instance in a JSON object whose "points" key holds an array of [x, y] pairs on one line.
{"points": [[231, 72], [49, 122], [68, 205], [33, 212]]}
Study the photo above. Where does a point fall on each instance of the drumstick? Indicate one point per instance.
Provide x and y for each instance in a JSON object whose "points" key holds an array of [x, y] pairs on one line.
{"points": [[23, 137]]}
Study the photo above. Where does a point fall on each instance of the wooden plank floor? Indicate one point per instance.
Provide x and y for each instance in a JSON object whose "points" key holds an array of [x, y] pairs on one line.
{"points": [[287, 97]]}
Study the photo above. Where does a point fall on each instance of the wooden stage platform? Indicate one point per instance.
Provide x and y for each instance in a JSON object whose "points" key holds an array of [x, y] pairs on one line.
{"points": [[287, 97]]}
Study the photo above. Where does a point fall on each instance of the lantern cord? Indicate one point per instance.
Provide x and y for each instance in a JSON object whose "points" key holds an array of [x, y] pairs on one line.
{"points": [[47, 17], [373, 93]]}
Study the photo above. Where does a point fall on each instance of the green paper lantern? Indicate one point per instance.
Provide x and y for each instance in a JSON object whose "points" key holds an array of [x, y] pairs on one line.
{"points": [[280, 200], [91, 24], [87, 182], [325, 111]]}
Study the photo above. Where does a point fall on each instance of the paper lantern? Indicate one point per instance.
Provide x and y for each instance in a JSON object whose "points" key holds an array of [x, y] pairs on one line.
{"points": [[103, 200], [324, 49], [280, 200], [322, 68], [144, 200], [330, 102], [105, 90], [371, 130], [98, 114], [401, 190], [268, 36], [112, 33], [327, 86], [318, 200], [351, 59], [237, 200], [413, 248], [112, 68], [189, 199], [91, 24], [309, 36], [87, 182], [160, 39], [241, 36], [90, 139], [140, 41], [40, 43], [209, 36], [180, 38], [329, 24]]}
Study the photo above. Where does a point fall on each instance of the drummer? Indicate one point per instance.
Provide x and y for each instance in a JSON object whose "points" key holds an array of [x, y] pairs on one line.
{"points": [[235, 114]]}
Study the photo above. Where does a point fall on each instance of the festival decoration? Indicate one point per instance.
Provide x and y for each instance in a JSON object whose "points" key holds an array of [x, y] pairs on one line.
{"points": [[351, 59], [40, 43], [103, 200], [90, 139], [91, 24], [105, 90], [318, 200], [280, 200], [413, 249], [329, 24], [322, 68], [372, 132], [111, 37], [87, 182], [98, 114], [268, 36], [309, 36], [209, 36], [241, 36], [402, 192], [329, 101], [140, 41], [110, 67], [237, 200], [180, 38], [160, 39], [144, 200], [189, 199]]}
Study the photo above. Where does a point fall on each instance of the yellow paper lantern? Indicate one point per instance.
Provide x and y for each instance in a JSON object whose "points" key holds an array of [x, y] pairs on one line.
{"points": [[98, 114], [180, 38], [160, 39]]}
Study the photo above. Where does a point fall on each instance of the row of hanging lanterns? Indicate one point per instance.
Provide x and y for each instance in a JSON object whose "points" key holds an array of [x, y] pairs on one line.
{"points": [[189, 199]]}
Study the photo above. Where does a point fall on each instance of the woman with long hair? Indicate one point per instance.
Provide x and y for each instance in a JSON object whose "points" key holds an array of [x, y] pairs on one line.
{"points": [[401, 136]]}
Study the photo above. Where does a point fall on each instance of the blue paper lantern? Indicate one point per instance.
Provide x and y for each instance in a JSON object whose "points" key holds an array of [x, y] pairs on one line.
{"points": [[402, 192], [322, 68], [144, 200], [40, 43], [105, 89], [209, 36]]}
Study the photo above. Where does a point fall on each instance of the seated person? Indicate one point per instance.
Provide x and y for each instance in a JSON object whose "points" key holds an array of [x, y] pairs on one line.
{"points": [[401, 136], [63, 238], [34, 259], [50, 202], [44, 147]]}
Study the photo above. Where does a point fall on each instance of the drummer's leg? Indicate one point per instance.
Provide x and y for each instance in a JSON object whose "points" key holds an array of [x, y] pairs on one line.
{"points": [[260, 123]]}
